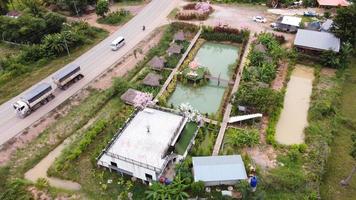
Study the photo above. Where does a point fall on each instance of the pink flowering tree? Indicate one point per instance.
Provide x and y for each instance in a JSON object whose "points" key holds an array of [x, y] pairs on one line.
{"points": [[143, 100]]}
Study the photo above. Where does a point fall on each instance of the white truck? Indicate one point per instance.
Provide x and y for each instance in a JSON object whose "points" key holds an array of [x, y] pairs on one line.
{"points": [[67, 76], [32, 100], [43, 92]]}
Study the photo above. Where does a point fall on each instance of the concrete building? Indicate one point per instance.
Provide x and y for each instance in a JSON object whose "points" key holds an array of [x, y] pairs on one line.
{"points": [[287, 24], [144, 146], [219, 170]]}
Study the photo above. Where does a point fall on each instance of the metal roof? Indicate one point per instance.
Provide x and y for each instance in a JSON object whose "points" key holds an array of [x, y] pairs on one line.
{"points": [[317, 40], [36, 90], [219, 168], [64, 72], [327, 25], [333, 3], [290, 20]]}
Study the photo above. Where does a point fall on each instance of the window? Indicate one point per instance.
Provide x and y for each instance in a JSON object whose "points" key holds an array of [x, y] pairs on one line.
{"points": [[148, 177], [113, 164]]}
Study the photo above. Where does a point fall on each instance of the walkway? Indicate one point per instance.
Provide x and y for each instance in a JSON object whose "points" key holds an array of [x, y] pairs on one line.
{"points": [[40, 170], [174, 71], [226, 117]]}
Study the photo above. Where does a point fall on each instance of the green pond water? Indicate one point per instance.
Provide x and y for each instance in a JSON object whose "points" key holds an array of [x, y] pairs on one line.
{"points": [[219, 59]]}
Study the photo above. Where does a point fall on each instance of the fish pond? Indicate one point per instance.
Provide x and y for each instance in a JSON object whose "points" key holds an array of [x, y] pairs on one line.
{"points": [[220, 60]]}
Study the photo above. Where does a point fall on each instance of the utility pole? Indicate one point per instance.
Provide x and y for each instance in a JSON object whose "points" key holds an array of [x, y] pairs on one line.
{"points": [[65, 43], [75, 7]]}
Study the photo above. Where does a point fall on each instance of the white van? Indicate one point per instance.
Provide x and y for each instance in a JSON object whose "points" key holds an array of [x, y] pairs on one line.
{"points": [[117, 43]]}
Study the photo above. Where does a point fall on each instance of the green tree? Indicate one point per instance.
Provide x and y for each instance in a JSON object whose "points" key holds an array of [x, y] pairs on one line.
{"points": [[343, 27], [175, 190], [33, 6], [102, 7], [4, 6]]}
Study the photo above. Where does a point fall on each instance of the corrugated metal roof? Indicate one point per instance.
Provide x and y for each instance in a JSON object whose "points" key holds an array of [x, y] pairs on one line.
{"points": [[290, 20], [36, 90], [219, 168], [64, 72], [317, 40], [327, 25]]}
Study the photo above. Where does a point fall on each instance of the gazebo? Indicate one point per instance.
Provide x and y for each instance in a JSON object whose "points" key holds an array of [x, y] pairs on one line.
{"points": [[174, 49], [179, 36], [152, 79], [157, 63]]}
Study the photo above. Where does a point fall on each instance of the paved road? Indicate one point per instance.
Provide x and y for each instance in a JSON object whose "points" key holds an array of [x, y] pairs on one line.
{"points": [[93, 63]]}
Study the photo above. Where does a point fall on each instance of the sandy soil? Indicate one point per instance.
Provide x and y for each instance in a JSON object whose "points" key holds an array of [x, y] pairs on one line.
{"points": [[278, 82], [43, 195], [263, 156], [91, 18]]}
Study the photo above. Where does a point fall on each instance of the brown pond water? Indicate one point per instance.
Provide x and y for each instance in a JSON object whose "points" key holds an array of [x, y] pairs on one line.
{"points": [[293, 119], [40, 170]]}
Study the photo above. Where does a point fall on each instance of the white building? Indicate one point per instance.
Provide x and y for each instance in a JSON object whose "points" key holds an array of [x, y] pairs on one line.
{"points": [[143, 147]]}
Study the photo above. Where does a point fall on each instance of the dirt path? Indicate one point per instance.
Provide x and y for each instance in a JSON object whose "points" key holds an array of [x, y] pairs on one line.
{"points": [[40, 170]]}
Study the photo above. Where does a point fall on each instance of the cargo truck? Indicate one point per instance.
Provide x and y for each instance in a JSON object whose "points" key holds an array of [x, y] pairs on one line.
{"points": [[43, 92], [32, 100], [67, 76]]}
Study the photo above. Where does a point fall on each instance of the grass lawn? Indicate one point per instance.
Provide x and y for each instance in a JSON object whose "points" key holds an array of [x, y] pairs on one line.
{"points": [[185, 138], [24, 81], [8, 49], [340, 162]]}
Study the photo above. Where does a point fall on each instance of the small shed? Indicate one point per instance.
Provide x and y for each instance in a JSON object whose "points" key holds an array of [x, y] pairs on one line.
{"points": [[157, 63], [179, 36], [152, 79], [316, 41], [260, 48], [326, 26], [132, 97], [219, 170], [174, 49], [13, 14]]}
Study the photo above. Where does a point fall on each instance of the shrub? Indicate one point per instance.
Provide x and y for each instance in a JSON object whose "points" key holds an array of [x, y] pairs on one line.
{"points": [[241, 138], [225, 34], [197, 188], [115, 18], [42, 183]]}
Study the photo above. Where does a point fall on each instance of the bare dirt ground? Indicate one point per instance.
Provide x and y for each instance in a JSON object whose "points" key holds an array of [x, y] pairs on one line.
{"points": [[127, 63], [279, 81], [263, 156], [43, 195], [298, 11], [91, 18]]}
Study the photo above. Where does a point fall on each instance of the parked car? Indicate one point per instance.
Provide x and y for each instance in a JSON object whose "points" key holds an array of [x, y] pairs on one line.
{"points": [[310, 13], [259, 19]]}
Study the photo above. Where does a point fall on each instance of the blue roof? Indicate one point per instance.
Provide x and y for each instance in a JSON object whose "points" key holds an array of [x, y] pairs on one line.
{"points": [[64, 72], [36, 90], [219, 168]]}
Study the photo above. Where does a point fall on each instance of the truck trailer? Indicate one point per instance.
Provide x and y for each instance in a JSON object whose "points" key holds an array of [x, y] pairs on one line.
{"points": [[32, 100], [67, 76]]}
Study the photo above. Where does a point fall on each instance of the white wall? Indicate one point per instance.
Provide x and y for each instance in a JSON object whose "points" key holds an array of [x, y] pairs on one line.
{"points": [[137, 171]]}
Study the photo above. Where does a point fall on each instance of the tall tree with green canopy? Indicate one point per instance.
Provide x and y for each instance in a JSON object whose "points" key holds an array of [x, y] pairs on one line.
{"points": [[344, 25], [4, 6], [102, 7]]}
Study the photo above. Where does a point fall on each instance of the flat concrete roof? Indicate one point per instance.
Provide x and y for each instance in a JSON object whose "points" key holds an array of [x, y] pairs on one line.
{"points": [[147, 136], [290, 20]]}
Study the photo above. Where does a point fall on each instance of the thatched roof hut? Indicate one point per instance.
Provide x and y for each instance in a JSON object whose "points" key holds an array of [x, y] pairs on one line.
{"points": [[260, 48], [157, 63], [152, 79], [179, 36], [174, 49]]}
